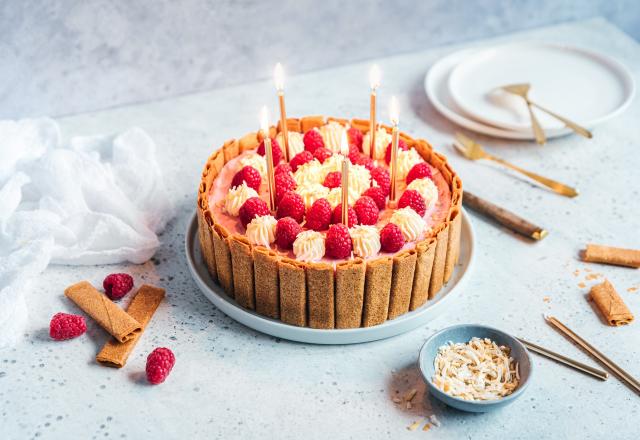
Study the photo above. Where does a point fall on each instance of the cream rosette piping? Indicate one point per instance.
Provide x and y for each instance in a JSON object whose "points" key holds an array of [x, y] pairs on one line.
{"points": [[296, 144], [236, 197], [309, 246], [409, 222], [262, 230], [366, 240], [427, 189], [312, 192], [332, 134], [331, 164], [309, 173], [256, 161], [359, 179], [406, 160], [382, 140]]}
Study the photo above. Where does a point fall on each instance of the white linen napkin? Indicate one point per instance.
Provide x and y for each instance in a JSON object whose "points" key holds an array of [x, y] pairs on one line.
{"points": [[94, 200]]}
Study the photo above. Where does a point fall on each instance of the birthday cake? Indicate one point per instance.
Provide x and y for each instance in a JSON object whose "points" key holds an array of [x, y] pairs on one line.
{"points": [[298, 257]]}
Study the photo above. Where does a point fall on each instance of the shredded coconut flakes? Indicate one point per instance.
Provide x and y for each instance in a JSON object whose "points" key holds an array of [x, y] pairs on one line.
{"points": [[477, 370]]}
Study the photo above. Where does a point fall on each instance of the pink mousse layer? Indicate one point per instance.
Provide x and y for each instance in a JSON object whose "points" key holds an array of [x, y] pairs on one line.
{"points": [[221, 185]]}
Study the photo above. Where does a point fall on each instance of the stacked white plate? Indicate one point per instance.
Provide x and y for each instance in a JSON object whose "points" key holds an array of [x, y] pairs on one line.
{"points": [[584, 86]]}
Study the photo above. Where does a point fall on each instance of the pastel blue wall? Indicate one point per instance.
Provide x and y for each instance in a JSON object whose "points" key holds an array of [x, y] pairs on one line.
{"points": [[64, 57]]}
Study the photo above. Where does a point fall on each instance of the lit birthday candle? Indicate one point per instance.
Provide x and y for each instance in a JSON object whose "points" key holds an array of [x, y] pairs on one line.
{"points": [[264, 127], [279, 81], [374, 83], [394, 115]]}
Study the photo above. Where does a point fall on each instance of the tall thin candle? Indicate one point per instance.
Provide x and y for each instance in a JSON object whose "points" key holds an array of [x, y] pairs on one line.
{"points": [[279, 80], [374, 82], [344, 149], [264, 126], [395, 119]]}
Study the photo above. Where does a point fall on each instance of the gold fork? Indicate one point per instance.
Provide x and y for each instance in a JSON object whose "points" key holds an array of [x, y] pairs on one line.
{"points": [[474, 151], [522, 90]]}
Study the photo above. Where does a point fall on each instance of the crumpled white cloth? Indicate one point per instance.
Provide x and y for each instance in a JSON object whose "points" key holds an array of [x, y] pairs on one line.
{"points": [[93, 200]]}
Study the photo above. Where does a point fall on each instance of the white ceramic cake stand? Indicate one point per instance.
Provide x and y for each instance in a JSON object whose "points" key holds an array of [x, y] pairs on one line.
{"points": [[404, 323]]}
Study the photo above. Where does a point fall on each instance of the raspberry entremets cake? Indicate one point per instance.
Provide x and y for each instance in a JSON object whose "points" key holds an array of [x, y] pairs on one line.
{"points": [[299, 263]]}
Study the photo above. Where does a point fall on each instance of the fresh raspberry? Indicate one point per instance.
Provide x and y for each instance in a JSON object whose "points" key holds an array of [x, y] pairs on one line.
{"points": [[117, 285], [159, 364], [322, 154], [366, 210], [364, 160], [275, 150], [355, 137], [333, 179], [291, 205], [287, 229], [418, 171], [319, 215], [300, 159], [336, 216], [338, 242], [387, 153], [414, 200], [249, 175], [381, 177], [391, 239], [312, 140], [284, 183], [283, 167], [253, 207], [378, 196], [65, 326], [354, 153]]}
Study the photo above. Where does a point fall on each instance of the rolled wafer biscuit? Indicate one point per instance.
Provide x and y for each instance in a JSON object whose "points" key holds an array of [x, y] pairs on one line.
{"points": [[106, 313], [141, 308], [614, 310], [595, 253]]}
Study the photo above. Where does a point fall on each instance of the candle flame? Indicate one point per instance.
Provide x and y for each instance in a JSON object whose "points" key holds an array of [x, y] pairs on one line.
{"points": [[394, 111], [264, 120], [278, 74], [374, 77], [344, 143]]}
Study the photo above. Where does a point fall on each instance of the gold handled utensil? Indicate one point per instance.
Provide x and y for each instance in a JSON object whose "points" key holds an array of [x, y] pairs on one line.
{"points": [[590, 349], [474, 151], [602, 375], [522, 90]]}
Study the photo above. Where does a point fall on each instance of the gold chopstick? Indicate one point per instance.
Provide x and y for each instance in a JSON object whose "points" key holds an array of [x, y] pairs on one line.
{"points": [[602, 375], [605, 361]]}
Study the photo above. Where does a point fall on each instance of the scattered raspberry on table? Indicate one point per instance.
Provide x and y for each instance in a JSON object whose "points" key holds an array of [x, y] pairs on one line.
{"points": [[159, 364], [66, 326], [117, 285]]}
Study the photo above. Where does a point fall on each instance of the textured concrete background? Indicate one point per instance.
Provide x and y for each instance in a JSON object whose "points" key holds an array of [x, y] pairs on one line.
{"points": [[65, 57]]}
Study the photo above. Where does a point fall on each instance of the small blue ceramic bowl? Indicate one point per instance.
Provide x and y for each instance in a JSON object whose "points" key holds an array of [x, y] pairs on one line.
{"points": [[464, 333]]}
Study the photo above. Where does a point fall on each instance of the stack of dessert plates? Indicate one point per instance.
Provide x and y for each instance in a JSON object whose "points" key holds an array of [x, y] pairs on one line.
{"points": [[584, 86]]}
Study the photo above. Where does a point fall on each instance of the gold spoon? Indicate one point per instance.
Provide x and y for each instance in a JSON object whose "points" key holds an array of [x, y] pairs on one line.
{"points": [[522, 90], [474, 151]]}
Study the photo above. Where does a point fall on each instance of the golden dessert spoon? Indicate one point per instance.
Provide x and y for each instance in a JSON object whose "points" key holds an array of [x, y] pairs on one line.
{"points": [[474, 151], [522, 90]]}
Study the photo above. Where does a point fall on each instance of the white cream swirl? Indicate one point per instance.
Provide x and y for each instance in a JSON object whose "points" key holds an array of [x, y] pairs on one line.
{"points": [[382, 140], [427, 189], [312, 192], [409, 222], [366, 240], [406, 160], [296, 144], [256, 161], [331, 164], [309, 173], [262, 230], [332, 135], [335, 196], [309, 246], [237, 196], [359, 179]]}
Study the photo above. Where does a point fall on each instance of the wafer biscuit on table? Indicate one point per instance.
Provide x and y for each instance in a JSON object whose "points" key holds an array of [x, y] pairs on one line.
{"points": [[141, 308], [610, 304], [611, 255], [104, 311]]}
